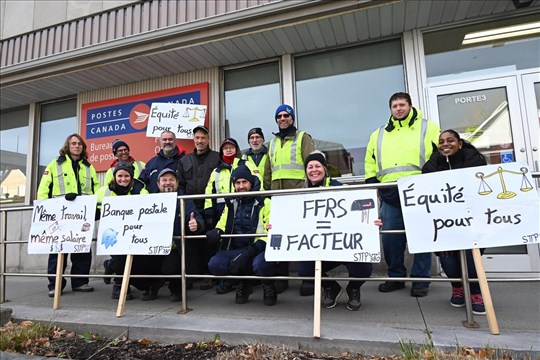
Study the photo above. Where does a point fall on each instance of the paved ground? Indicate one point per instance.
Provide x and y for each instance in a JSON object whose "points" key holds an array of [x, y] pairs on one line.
{"points": [[384, 320]]}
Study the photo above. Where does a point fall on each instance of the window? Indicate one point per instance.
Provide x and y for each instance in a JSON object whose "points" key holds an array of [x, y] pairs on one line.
{"points": [[14, 152], [342, 97], [252, 94], [58, 120], [447, 58]]}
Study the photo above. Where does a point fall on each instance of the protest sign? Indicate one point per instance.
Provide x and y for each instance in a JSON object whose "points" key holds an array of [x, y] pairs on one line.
{"points": [[136, 224], [181, 119], [480, 207], [62, 226], [330, 225]]}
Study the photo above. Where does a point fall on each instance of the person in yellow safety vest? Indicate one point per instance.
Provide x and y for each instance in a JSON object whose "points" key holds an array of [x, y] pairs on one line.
{"points": [[70, 175], [257, 152], [397, 149], [220, 179], [287, 151], [120, 150], [123, 182], [285, 166]]}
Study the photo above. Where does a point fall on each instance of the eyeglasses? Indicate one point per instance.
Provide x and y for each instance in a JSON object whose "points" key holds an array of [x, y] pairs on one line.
{"points": [[75, 143], [122, 150], [285, 116]]}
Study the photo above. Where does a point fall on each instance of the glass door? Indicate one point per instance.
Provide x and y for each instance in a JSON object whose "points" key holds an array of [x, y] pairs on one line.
{"points": [[500, 117]]}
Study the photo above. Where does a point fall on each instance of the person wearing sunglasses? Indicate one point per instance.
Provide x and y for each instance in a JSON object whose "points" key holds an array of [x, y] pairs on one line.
{"points": [[285, 166]]}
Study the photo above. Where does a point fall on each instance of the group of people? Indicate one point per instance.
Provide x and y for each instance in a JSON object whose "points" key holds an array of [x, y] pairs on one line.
{"points": [[406, 145]]}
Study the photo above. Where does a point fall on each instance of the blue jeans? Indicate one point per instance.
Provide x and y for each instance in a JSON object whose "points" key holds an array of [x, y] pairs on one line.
{"points": [[80, 265], [452, 268], [394, 247], [355, 269], [219, 264]]}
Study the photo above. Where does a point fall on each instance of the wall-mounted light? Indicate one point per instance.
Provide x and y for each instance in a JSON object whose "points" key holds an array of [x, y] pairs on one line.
{"points": [[519, 4], [502, 33]]}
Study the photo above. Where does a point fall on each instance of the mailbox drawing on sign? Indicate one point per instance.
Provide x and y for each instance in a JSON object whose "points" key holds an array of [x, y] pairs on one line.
{"points": [[275, 241], [363, 205]]}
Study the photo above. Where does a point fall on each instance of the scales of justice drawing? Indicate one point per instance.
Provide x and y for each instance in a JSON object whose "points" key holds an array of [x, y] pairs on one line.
{"points": [[195, 117], [485, 189]]}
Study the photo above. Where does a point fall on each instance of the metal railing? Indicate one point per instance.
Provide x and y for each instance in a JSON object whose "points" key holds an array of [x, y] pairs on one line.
{"points": [[183, 276]]}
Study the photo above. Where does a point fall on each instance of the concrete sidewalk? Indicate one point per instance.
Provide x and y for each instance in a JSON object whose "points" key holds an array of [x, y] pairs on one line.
{"points": [[377, 328]]}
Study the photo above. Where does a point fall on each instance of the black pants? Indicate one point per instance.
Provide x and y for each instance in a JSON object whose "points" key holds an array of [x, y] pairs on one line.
{"points": [[80, 265]]}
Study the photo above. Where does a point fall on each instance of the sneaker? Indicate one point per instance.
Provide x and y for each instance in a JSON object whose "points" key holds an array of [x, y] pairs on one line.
{"points": [[243, 289], [307, 288], [478, 307], [419, 290], [457, 299], [108, 271], [224, 287], [390, 286], [84, 288], [330, 295], [281, 285], [353, 303], [116, 293], [51, 293], [269, 294]]}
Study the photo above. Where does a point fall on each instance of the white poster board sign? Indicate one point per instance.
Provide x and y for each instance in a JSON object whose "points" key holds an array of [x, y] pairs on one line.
{"points": [[480, 207], [136, 224], [62, 226], [331, 226], [181, 119]]}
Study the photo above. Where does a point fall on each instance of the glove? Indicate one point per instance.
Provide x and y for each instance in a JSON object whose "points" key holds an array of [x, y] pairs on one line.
{"points": [[241, 263], [71, 196], [214, 237]]}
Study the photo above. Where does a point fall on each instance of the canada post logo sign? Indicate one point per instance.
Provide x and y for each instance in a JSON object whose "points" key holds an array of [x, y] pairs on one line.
{"points": [[126, 119]]}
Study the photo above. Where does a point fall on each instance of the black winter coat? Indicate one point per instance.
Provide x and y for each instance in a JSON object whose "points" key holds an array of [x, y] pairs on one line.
{"points": [[464, 158]]}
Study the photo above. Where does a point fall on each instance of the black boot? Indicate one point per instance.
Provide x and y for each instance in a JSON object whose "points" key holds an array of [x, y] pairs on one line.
{"points": [[243, 289], [269, 293]]}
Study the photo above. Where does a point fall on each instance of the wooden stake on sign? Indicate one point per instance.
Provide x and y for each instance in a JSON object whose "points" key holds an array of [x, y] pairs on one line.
{"points": [[58, 281], [125, 287], [484, 288], [317, 300]]}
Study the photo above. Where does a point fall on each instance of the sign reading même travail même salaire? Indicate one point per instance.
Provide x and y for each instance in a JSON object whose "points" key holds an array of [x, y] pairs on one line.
{"points": [[62, 226], [330, 225], [479, 207], [136, 224], [181, 119]]}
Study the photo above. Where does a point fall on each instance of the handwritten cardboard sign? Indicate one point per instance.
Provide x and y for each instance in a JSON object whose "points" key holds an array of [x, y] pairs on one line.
{"points": [[136, 224], [331, 226], [181, 119], [480, 207], [62, 226]]}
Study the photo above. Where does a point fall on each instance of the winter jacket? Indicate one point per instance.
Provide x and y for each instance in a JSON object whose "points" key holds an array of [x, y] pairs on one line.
{"points": [[194, 172], [150, 173], [464, 158]]}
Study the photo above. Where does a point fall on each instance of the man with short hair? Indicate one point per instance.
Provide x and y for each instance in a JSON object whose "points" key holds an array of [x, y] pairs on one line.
{"points": [[244, 255], [168, 157], [193, 174], [257, 152], [397, 149]]}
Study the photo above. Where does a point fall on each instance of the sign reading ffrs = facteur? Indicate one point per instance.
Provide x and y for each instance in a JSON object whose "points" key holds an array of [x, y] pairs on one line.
{"points": [[480, 207], [330, 225], [136, 224], [62, 226]]}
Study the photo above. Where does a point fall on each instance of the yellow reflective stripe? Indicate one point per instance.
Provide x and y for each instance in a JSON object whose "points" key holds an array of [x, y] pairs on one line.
{"points": [[60, 177]]}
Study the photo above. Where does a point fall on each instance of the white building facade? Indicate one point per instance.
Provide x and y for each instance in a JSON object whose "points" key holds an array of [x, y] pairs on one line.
{"points": [[87, 67]]}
